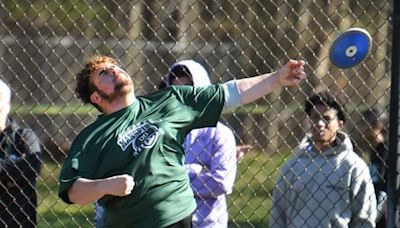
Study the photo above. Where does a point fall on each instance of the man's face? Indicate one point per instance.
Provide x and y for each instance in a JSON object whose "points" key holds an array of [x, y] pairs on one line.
{"points": [[324, 124], [111, 82]]}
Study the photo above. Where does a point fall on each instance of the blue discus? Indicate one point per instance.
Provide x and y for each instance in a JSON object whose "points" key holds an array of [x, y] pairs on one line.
{"points": [[350, 48]]}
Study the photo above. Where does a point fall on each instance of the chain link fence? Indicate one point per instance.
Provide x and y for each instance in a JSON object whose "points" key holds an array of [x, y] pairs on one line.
{"points": [[43, 43]]}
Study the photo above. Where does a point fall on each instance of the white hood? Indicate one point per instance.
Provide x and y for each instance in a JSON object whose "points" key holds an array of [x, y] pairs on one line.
{"points": [[199, 74]]}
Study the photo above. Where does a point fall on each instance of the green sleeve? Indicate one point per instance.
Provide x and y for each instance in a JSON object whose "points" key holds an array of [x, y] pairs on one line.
{"points": [[206, 104], [77, 164]]}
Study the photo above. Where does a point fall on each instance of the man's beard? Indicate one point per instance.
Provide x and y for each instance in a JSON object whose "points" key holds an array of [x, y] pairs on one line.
{"points": [[120, 90]]}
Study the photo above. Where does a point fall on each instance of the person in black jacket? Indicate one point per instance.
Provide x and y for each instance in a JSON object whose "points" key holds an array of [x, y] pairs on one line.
{"points": [[374, 134], [20, 165]]}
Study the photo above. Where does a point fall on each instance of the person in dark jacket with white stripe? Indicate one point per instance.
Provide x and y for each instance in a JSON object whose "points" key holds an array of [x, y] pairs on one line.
{"points": [[20, 165]]}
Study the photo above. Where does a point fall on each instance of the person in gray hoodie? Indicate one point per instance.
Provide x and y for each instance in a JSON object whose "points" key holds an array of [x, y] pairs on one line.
{"points": [[325, 183]]}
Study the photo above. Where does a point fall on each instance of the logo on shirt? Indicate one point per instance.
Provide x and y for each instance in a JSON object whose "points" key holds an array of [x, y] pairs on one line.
{"points": [[142, 135]]}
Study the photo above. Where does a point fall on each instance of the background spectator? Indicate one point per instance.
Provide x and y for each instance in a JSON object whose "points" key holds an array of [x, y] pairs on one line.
{"points": [[375, 146], [19, 167], [325, 183], [210, 155]]}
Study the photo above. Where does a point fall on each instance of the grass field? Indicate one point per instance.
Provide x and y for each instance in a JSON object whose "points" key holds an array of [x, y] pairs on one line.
{"points": [[52, 212], [249, 202]]}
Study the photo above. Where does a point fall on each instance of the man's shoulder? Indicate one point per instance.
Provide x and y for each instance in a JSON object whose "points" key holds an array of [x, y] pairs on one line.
{"points": [[162, 94], [86, 133], [186, 89], [353, 159]]}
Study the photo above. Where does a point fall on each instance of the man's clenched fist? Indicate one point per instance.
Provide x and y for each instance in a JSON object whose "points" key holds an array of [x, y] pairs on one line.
{"points": [[120, 185]]}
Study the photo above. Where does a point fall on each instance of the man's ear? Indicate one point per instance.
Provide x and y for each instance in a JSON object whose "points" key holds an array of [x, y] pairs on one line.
{"points": [[95, 98], [341, 123]]}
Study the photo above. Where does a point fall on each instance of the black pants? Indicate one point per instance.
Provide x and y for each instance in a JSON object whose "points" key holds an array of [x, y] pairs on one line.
{"points": [[184, 223], [18, 208]]}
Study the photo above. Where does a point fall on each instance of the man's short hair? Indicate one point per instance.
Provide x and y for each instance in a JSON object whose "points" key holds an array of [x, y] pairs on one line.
{"points": [[325, 98], [84, 88]]}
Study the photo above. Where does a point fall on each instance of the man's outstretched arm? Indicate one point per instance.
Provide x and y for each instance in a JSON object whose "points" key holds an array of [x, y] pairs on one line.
{"points": [[246, 90]]}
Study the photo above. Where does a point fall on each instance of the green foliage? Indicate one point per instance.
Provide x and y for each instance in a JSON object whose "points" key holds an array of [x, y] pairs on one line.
{"points": [[72, 15], [51, 109]]}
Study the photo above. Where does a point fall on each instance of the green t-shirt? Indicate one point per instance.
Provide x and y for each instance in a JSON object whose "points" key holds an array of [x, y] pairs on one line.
{"points": [[144, 140]]}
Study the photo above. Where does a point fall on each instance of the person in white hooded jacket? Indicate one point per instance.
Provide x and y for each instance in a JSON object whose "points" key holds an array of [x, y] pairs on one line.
{"points": [[325, 183], [210, 155]]}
